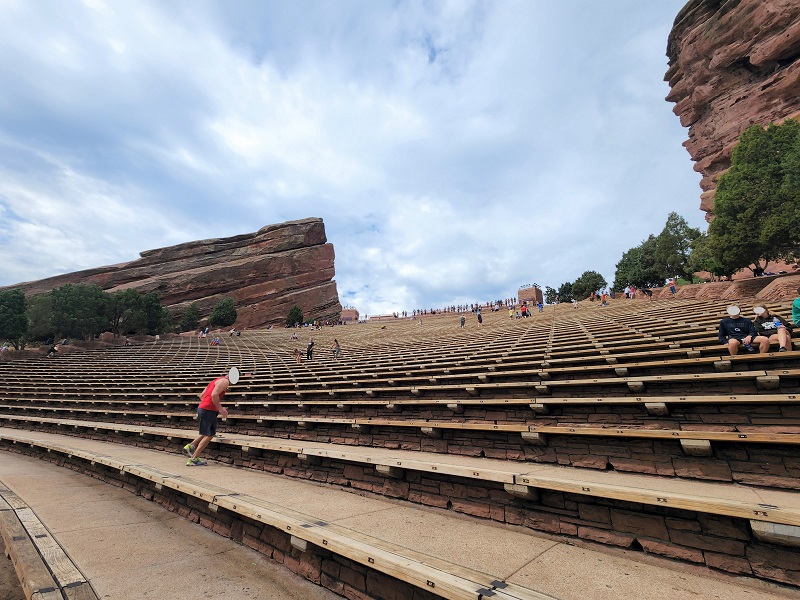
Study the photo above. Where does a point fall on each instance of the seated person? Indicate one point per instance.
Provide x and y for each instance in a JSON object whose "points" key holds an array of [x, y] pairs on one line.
{"points": [[735, 330], [770, 329]]}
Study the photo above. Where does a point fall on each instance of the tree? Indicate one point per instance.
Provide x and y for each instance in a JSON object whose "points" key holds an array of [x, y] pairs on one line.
{"points": [[40, 317], [757, 203], [549, 295], [629, 269], [13, 317], [80, 310], [588, 282], [658, 257], [672, 248], [702, 258], [295, 316], [223, 313], [127, 316], [191, 318], [165, 322], [154, 317], [565, 293]]}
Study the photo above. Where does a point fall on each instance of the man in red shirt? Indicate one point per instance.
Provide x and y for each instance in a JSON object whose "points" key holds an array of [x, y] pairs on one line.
{"points": [[207, 412]]}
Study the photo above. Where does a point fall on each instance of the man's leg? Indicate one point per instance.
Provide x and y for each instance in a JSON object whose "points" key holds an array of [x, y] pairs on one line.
{"points": [[201, 445], [733, 346], [763, 343]]}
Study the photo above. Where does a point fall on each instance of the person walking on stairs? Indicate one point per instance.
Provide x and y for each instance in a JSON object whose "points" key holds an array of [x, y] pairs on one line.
{"points": [[209, 409]]}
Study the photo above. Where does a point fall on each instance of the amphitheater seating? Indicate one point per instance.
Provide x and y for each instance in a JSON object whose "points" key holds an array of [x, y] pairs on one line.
{"points": [[635, 403]]}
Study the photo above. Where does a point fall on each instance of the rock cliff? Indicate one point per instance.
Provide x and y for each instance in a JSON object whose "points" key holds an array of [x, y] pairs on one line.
{"points": [[266, 273], [732, 64]]}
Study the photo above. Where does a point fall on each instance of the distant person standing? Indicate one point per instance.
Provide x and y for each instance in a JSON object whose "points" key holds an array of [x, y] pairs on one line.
{"points": [[796, 309], [480, 318], [463, 321], [671, 284], [337, 349], [310, 348]]}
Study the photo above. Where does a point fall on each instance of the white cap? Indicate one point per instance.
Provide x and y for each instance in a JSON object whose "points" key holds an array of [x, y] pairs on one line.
{"points": [[733, 310], [759, 310]]}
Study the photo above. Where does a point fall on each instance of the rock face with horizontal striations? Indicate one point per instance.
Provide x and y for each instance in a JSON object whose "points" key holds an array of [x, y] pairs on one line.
{"points": [[266, 273], [732, 64]]}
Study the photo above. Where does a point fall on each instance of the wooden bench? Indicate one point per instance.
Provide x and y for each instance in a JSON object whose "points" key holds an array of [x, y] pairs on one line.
{"points": [[311, 534], [44, 569], [748, 502]]}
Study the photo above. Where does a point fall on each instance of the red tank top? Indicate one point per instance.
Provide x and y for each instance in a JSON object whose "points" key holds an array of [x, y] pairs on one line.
{"points": [[206, 403]]}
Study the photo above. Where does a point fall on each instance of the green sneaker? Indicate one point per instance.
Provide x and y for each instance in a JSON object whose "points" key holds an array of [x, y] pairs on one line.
{"points": [[195, 462], [188, 450]]}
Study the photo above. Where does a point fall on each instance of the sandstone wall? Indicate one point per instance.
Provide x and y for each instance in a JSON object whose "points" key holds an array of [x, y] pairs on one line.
{"points": [[266, 273], [732, 64]]}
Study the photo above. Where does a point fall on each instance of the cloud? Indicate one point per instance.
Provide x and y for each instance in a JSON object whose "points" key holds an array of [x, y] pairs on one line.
{"points": [[454, 149]]}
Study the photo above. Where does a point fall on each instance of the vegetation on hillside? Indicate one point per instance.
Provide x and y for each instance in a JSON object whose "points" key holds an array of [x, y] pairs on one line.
{"points": [[223, 314], [757, 204], [13, 320], [80, 311], [295, 316]]}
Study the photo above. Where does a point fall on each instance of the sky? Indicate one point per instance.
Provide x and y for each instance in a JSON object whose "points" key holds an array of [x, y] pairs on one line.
{"points": [[456, 150]]}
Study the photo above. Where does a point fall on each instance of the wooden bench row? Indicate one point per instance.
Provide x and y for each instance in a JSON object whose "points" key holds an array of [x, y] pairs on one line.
{"points": [[750, 502], [310, 533], [531, 434]]}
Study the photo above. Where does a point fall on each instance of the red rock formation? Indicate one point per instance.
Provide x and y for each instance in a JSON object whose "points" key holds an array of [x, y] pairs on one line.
{"points": [[732, 64], [266, 273]]}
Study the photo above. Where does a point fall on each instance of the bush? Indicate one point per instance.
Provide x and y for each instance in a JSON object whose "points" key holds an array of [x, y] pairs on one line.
{"points": [[223, 314], [191, 318], [295, 316], [13, 317]]}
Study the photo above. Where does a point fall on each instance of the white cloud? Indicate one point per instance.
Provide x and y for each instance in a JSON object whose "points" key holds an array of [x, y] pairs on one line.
{"points": [[455, 149]]}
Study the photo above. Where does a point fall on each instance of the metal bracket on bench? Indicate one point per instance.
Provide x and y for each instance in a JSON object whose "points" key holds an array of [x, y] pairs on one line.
{"points": [[776, 533], [696, 447], [312, 460], [637, 387], [534, 438], [542, 389], [298, 543], [455, 407], [538, 408], [389, 471], [722, 366], [621, 371], [431, 432], [768, 382], [658, 409], [521, 491]]}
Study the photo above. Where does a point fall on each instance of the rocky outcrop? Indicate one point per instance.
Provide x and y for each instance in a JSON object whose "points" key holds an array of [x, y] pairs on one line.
{"points": [[266, 273], [732, 64]]}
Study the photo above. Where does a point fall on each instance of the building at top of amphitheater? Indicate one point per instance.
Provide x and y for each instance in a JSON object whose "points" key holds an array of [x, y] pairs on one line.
{"points": [[266, 273]]}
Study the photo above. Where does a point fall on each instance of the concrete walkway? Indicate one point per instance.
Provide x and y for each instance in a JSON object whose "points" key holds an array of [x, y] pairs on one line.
{"points": [[131, 548], [128, 547]]}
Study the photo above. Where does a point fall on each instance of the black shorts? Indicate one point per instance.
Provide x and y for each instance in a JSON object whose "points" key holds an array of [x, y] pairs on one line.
{"points": [[207, 421]]}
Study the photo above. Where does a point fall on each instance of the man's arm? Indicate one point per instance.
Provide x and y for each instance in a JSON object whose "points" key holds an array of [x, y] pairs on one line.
{"points": [[723, 332], [222, 385]]}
